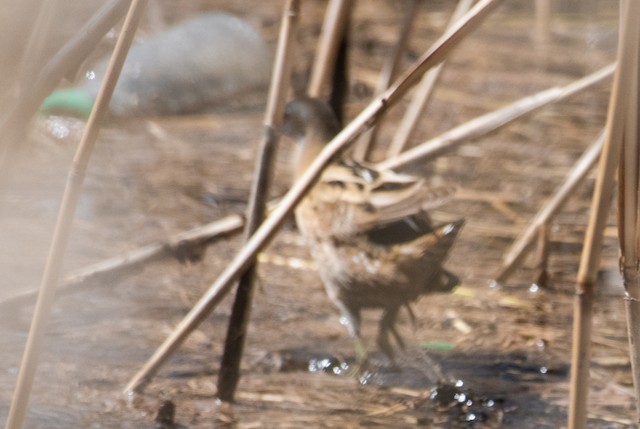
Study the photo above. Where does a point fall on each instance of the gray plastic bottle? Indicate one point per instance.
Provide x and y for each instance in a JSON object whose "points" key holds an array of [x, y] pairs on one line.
{"points": [[210, 61]]}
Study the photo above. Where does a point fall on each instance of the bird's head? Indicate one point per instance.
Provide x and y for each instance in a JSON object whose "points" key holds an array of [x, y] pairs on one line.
{"points": [[309, 116], [311, 124]]}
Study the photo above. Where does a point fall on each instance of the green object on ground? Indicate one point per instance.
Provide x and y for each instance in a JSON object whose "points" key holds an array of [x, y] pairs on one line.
{"points": [[73, 101], [438, 345]]}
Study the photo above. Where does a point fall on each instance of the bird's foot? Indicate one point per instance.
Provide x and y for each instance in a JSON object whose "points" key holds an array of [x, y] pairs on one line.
{"points": [[360, 367]]}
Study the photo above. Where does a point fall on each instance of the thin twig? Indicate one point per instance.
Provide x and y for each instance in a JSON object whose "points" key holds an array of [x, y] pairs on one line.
{"points": [[518, 250], [239, 320], [199, 236], [28, 366], [363, 148], [542, 255], [422, 94], [268, 229], [493, 121], [13, 127]]}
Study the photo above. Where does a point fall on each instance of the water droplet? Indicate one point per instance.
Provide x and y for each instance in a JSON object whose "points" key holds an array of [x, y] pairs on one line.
{"points": [[492, 284], [543, 370], [459, 383], [490, 403], [534, 288], [318, 365], [58, 128], [131, 395], [364, 378], [471, 417], [90, 74]]}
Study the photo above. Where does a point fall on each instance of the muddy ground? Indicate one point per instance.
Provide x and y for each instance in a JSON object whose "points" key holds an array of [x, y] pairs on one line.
{"points": [[501, 351]]}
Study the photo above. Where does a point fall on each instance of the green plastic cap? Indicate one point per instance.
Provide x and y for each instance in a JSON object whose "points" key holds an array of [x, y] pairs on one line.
{"points": [[70, 101]]}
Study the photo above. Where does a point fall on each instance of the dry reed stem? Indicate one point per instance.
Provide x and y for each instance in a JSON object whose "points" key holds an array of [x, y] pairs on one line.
{"points": [[492, 121], [628, 176], [518, 250], [542, 31], [542, 254], [441, 49], [28, 366], [362, 149], [391, 66], [335, 19], [628, 190], [199, 236], [239, 320], [65, 62], [34, 51], [601, 203], [422, 94], [269, 227]]}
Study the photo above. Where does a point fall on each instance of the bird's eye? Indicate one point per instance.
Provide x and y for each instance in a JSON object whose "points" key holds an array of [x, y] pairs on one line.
{"points": [[368, 207], [391, 186], [336, 184]]}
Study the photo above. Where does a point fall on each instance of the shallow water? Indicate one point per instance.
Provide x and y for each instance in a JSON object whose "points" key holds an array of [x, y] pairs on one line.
{"points": [[150, 178]]}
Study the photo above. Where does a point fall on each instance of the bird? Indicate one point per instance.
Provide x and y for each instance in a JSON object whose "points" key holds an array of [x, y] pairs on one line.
{"points": [[368, 230]]}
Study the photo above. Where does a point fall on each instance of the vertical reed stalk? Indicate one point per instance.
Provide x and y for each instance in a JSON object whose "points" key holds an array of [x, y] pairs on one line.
{"points": [[34, 51], [542, 255], [542, 33], [628, 201], [585, 284], [333, 28], [28, 366], [239, 321]]}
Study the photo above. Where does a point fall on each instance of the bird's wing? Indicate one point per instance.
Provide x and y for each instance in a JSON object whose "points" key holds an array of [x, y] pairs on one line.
{"points": [[445, 235], [363, 199], [392, 205]]}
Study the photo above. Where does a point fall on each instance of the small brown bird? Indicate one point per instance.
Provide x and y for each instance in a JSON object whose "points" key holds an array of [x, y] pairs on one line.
{"points": [[368, 230]]}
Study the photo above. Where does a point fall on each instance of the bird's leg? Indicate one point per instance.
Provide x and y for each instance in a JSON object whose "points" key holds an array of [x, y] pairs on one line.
{"points": [[351, 319], [388, 325], [362, 357], [412, 316]]}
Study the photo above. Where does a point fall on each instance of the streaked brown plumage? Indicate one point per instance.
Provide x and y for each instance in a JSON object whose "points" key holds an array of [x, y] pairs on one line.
{"points": [[368, 230]]}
